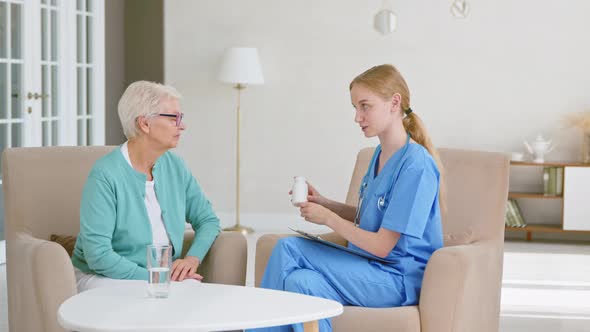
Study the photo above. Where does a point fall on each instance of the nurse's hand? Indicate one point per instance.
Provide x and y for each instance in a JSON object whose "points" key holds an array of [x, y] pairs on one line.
{"points": [[316, 213], [314, 196]]}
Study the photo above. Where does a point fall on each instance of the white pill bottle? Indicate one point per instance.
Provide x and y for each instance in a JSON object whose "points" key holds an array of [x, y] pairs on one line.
{"points": [[299, 191]]}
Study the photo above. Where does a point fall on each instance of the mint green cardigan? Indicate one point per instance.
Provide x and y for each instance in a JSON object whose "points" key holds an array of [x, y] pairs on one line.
{"points": [[114, 224]]}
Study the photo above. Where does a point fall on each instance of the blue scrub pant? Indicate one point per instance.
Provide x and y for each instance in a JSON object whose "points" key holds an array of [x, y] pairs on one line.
{"points": [[302, 266]]}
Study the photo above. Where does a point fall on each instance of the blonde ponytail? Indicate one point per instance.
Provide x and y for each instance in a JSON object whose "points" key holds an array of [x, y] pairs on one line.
{"points": [[415, 127]]}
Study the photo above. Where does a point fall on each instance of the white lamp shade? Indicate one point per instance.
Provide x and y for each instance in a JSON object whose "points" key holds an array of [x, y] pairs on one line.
{"points": [[240, 65]]}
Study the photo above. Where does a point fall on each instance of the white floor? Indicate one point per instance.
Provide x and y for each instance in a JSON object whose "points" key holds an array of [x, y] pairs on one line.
{"points": [[546, 287]]}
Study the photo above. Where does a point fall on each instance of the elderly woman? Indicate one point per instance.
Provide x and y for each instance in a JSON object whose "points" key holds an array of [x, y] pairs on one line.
{"points": [[141, 194]]}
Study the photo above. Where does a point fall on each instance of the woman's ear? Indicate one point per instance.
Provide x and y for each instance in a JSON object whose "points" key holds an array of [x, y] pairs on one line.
{"points": [[143, 124], [396, 101]]}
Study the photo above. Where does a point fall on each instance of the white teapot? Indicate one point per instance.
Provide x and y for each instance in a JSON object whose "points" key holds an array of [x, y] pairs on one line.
{"points": [[539, 148]]}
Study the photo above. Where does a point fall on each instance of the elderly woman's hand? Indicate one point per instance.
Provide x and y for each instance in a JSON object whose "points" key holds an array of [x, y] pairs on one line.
{"points": [[185, 268]]}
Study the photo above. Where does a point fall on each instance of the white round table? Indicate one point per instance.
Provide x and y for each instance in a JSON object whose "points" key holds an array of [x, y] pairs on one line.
{"points": [[191, 306]]}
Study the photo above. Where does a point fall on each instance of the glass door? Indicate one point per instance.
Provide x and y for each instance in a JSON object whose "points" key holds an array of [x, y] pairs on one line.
{"points": [[89, 72], [52, 120], [51, 73], [14, 75]]}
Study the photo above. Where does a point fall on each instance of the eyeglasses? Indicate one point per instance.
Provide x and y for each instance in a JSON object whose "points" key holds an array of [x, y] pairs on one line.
{"points": [[178, 117]]}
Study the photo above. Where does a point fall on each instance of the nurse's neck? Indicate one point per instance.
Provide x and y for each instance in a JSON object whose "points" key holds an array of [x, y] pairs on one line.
{"points": [[392, 140]]}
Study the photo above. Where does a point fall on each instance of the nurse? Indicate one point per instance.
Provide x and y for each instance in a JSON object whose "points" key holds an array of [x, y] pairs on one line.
{"points": [[398, 216]]}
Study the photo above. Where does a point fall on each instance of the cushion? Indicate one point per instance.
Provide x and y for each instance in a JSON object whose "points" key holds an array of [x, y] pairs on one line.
{"points": [[66, 241]]}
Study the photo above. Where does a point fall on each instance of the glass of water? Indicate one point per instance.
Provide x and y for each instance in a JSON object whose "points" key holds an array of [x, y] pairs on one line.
{"points": [[159, 262]]}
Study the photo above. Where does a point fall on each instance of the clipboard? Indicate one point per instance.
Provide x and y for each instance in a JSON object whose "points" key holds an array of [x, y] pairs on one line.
{"points": [[363, 254]]}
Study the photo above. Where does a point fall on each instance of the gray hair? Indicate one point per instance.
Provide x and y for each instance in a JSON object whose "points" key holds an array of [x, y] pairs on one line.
{"points": [[142, 98]]}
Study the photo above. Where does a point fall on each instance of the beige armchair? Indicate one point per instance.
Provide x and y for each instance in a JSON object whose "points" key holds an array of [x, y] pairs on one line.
{"points": [[462, 281], [42, 189]]}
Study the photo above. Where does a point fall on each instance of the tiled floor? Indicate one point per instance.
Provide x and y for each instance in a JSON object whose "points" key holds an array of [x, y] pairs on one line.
{"points": [[546, 287]]}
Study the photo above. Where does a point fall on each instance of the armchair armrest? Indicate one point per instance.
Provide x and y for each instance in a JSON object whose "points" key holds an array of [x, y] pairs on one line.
{"points": [[461, 288], [264, 247], [42, 278], [226, 261]]}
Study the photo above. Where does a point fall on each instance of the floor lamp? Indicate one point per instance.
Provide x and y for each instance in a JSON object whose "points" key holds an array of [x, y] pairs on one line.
{"points": [[240, 67]]}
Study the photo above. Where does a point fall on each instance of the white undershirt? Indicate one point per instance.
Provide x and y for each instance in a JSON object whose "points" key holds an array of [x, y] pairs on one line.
{"points": [[153, 207]]}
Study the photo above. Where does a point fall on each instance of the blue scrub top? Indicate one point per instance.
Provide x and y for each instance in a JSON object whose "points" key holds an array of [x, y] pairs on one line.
{"points": [[408, 186]]}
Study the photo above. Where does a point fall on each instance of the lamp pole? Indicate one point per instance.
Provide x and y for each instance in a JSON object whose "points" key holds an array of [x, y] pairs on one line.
{"points": [[237, 227]]}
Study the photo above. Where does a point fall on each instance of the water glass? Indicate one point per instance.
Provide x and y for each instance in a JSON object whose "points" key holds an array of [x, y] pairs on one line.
{"points": [[159, 262]]}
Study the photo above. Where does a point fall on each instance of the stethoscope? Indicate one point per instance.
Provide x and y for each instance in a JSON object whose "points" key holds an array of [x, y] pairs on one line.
{"points": [[381, 202]]}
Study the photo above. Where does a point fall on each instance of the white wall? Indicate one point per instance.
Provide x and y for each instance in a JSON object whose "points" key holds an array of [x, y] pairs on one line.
{"points": [[507, 72]]}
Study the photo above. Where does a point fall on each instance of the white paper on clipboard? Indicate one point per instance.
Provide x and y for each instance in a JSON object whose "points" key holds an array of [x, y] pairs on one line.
{"points": [[317, 238]]}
